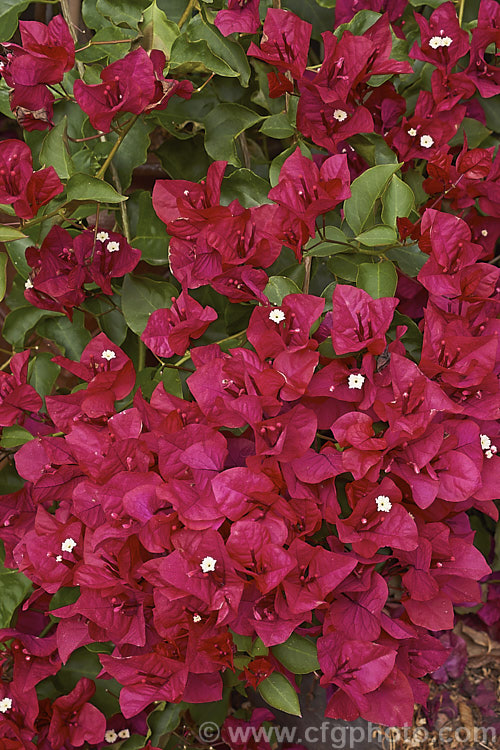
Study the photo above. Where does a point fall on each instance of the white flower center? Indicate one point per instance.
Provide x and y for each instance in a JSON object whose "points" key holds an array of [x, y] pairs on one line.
{"points": [[110, 736], [340, 115], [484, 232], [68, 545], [440, 41], [412, 132], [356, 381], [446, 41], [5, 705], [196, 618], [113, 247], [108, 354], [59, 558], [102, 236], [28, 284], [277, 315], [383, 503], [485, 441], [427, 141], [208, 564], [124, 734]]}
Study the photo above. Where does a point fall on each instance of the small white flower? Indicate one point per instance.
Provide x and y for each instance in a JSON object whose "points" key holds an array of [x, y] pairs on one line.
{"points": [[356, 381], [110, 736], [124, 734], [186, 193], [5, 705], [277, 315], [427, 141], [435, 42], [28, 284], [485, 442], [108, 354], [412, 132], [59, 558], [340, 115], [196, 618], [102, 236], [484, 232], [383, 503], [113, 247], [208, 564], [68, 545], [446, 41]]}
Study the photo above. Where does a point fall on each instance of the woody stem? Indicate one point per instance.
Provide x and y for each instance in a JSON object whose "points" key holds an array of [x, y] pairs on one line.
{"points": [[116, 146]]}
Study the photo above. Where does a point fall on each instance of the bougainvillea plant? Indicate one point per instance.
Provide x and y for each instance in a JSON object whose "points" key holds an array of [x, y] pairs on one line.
{"points": [[249, 395]]}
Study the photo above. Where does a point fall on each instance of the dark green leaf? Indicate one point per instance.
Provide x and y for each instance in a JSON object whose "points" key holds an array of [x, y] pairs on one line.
{"points": [[258, 648], [475, 131], [83, 187], [54, 151], [378, 279], [151, 236], [171, 380], [71, 336], [397, 201], [107, 51], [245, 186], [14, 587], [10, 10], [222, 126], [377, 236], [346, 266], [298, 654], [365, 191], [277, 126], [197, 57], [132, 153], [278, 287], [128, 12], [20, 321], [42, 373], [8, 234], [14, 436], [279, 693], [158, 32], [231, 52], [163, 720], [409, 258], [142, 296], [373, 148]]}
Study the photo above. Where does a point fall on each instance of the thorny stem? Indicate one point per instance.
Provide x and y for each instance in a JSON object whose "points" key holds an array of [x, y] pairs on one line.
{"points": [[116, 146], [187, 13], [71, 26]]}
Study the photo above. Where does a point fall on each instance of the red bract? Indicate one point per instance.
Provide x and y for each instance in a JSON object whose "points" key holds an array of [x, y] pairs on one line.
{"points": [[16, 396], [168, 331], [284, 43], [74, 719], [241, 15], [134, 84], [442, 42], [22, 188], [359, 321], [485, 75]]}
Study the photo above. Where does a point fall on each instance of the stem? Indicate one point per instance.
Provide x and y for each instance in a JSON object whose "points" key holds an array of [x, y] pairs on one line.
{"points": [[6, 364], [71, 26], [116, 146], [200, 88], [307, 276], [39, 219], [244, 150], [110, 41], [461, 7], [123, 207], [141, 361], [185, 16]]}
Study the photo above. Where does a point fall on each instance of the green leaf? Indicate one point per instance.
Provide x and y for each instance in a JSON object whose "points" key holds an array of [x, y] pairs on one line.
{"points": [[134, 742], [277, 126], [409, 258], [107, 51], [197, 57], [14, 436], [171, 380], [475, 131], [346, 265], [158, 32], [243, 184], [280, 693], [231, 52], [71, 336], [10, 10], [222, 126], [3, 274], [378, 279], [133, 151], [298, 654], [278, 161], [42, 373], [164, 720], [142, 296], [397, 201], [20, 321], [336, 243], [8, 234], [278, 287], [83, 187], [242, 642], [373, 148], [258, 649], [128, 12], [55, 151], [377, 236], [151, 236], [14, 587], [365, 191]]}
